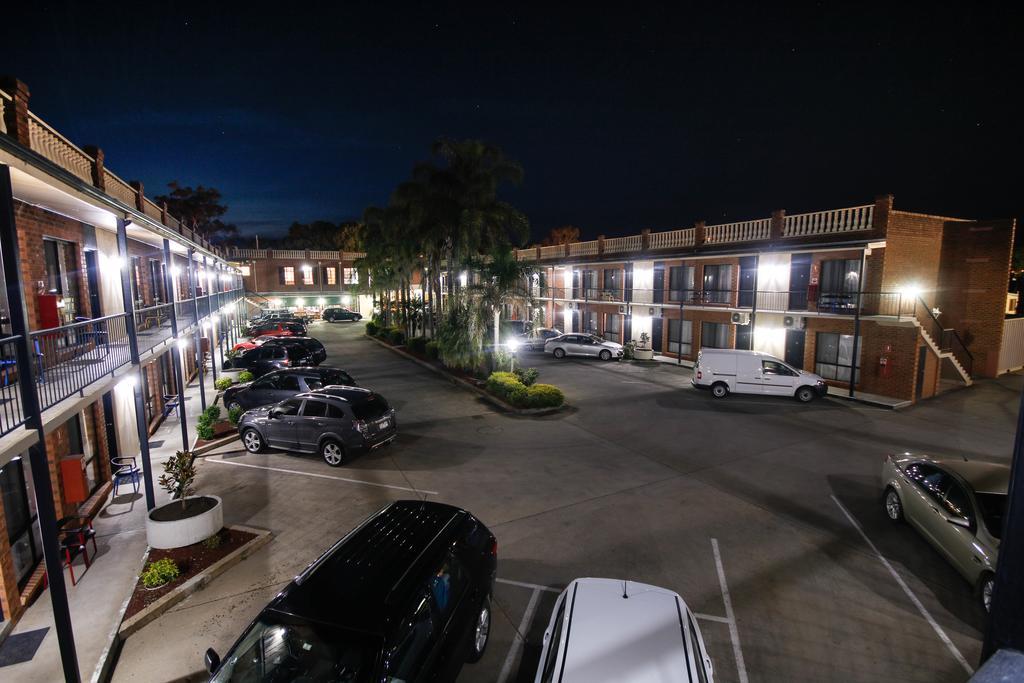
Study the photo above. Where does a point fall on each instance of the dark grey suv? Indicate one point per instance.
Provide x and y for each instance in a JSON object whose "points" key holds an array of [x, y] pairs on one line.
{"points": [[281, 384], [334, 422]]}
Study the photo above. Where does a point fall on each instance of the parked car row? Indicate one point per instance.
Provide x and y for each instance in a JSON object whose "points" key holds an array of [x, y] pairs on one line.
{"points": [[406, 596]]}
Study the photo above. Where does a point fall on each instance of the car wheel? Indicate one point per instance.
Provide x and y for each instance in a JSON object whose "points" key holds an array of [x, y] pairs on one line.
{"points": [[332, 452], [719, 389], [358, 318], [559, 353], [605, 355], [481, 631], [985, 587], [805, 394], [252, 440], [893, 505]]}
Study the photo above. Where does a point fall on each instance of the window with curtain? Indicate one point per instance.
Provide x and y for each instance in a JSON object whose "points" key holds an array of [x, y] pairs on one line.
{"points": [[351, 276], [833, 355], [714, 335], [680, 283], [840, 281], [613, 327], [286, 275], [680, 337], [590, 322], [612, 282], [717, 284], [332, 275], [20, 517], [307, 275]]}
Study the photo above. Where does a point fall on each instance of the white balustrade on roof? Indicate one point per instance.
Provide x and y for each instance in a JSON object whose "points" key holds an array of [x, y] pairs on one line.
{"points": [[673, 238], [829, 222], [742, 231]]}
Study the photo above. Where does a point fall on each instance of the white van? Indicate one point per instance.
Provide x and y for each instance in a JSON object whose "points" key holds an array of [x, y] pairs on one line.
{"points": [[726, 371]]}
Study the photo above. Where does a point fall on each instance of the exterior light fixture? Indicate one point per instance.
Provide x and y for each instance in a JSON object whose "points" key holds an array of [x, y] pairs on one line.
{"points": [[320, 301], [299, 303], [910, 291], [275, 302], [346, 300], [175, 271], [127, 383], [463, 278], [183, 344], [513, 346]]}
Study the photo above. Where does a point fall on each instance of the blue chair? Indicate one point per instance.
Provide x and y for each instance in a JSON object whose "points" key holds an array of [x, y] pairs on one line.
{"points": [[6, 364], [124, 470], [39, 361]]}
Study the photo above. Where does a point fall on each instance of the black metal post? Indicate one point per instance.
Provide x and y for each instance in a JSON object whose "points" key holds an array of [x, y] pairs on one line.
{"points": [[1006, 620], [133, 349], [39, 466], [210, 312], [199, 325], [175, 350], [679, 351], [856, 327], [753, 307]]}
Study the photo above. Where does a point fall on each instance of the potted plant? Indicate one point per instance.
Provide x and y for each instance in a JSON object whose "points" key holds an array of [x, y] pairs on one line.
{"points": [[642, 350], [188, 518]]}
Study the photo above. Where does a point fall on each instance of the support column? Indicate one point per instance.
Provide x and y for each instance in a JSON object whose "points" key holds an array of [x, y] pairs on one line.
{"points": [[45, 507], [855, 371], [133, 349], [211, 310], [199, 325], [175, 349]]}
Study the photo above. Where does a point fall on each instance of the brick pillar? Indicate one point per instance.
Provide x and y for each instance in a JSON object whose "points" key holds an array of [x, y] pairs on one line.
{"points": [[140, 193], [538, 252], [778, 220], [565, 250], [163, 213], [880, 219], [698, 235], [16, 112], [97, 166], [600, 245], [645, 239]]}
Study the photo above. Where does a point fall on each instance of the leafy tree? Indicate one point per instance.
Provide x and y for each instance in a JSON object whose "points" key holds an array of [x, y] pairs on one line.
{"points": [[565, 234], [200, 207], [503, 283], [324, 235]]}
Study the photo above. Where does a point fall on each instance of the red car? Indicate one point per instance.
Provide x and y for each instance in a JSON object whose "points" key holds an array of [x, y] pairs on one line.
{"points": [[272, 329], [253, 343]]}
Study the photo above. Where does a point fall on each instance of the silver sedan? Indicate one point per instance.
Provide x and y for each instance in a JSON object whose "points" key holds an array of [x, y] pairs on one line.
{"points": [[583, 345]]}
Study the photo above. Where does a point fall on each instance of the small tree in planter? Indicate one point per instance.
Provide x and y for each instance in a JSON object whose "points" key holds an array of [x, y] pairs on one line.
{"points": [[179, 476]]}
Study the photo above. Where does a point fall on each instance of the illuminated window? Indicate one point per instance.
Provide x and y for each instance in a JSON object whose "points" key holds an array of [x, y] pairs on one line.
{"points": [[245, 271], [351, 276], [332, 275], [307, 275], [287, 275]]}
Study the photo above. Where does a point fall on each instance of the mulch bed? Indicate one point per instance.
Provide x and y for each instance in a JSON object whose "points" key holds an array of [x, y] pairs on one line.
{"points": [[221, 429], [191, 560]]}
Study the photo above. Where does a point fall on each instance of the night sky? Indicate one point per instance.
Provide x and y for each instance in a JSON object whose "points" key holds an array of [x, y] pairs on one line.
{"points": [[622, 119]]}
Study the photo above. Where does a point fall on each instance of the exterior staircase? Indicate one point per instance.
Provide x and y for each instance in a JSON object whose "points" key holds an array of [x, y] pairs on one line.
{"points": [[944, 354]]}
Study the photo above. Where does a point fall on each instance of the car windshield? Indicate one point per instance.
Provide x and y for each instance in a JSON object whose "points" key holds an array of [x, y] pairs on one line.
{"points": [[271, 651], [599, 340], [372, 407], [993, 507]]}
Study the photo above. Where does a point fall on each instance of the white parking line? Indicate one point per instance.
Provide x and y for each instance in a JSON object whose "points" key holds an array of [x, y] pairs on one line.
{"points": [[517, 642], [324, 476], [906, 589], [730, 617], [712, 617], [531, 586]]}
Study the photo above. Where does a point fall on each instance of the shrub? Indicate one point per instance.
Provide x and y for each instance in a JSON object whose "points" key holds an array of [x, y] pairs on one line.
{"points": [[501, 384], [518, 396], [204, 430], [223, 383], [213, 542], [371, 328], [418, 344], [526, 375], [179, 475], [396, 337], [212, 413], [159, 573], [627, 350], [246, 376], [235, 414], [544, 396], [432, 350]]}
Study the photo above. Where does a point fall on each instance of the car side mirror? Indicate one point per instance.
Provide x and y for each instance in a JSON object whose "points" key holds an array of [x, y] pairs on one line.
{"points": [[274, 414], [212, 660], [959, 521]]}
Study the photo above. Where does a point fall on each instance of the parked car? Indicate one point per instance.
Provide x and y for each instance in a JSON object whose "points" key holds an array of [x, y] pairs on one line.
{"points": [[277, 329], [582, 345], [405, 596], [614, 631], [535, 339], [334, 424], [338, 314], [277, 386], [267, 313], [308, 347], [957, 505], [726, 371], [260, 361]]}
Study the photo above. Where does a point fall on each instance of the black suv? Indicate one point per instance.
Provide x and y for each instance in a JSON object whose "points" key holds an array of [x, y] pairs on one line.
{"points": [[405, 596], [277, 386], [261, 360], [301, 350], [335, 314]]}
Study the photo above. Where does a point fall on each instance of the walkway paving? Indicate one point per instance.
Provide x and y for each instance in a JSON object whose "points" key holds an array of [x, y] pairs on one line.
{"points": [[100, 596]]}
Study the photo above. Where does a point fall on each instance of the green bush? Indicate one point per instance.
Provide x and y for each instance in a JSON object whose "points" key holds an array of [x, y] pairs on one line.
{"points": [[159, 573], [235, 414], [246, 376], [396, 337], [371, 328], [213, 542], [212, 413], [518, 396], [222, 384], [418, 344], [204, 430], [432, 350], [526, 375], [544, 396], [501, 384]]}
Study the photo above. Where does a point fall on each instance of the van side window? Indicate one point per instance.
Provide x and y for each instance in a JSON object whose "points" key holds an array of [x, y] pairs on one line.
{"points": [[553, 646], [771, 367]]}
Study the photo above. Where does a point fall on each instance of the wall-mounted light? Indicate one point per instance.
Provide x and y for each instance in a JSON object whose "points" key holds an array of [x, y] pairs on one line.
{"points": [[128, 382], [910, 291], [299, 303], [346, 300], [175, 271], [275, 302], [320, 301], [183, 344]]}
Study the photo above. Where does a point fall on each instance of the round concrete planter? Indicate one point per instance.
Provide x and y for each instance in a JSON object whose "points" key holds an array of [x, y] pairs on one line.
{"points": [[182, 532], [232, 373], [643, 354]]}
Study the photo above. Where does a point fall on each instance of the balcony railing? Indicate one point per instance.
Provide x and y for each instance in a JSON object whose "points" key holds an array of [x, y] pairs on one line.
{"points": [[58, 149], [67, 359], [744, 231], [829, 222]]}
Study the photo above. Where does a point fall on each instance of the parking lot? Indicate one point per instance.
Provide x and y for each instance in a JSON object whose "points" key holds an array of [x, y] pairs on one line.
{"points": [[764, 514]]}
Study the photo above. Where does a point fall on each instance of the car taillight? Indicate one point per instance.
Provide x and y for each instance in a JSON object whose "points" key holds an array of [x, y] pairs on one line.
{"points": [[360, 425], [494, 548], [699, 374], [286, 362]]}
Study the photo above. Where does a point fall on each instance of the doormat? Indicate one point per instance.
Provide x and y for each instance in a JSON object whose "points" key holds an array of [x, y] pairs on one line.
{"points": [[21, 647]]}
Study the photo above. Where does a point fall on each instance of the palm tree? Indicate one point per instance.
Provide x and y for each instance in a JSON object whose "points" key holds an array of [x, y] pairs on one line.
{"points": [[504, 283]]}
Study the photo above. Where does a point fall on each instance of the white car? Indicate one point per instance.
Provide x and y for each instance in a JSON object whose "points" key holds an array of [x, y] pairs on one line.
{"points": [[727, 371], [614, 631], [581, 344]]}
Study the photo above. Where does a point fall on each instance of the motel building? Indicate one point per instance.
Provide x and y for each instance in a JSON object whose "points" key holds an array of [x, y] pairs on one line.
{"points": [[901, 304], [111, 306]]}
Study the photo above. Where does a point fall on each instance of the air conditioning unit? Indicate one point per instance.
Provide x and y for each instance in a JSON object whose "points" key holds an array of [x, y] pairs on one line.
{"points": [[794, 322], [654, 312], [740, 318], [622, 309]]}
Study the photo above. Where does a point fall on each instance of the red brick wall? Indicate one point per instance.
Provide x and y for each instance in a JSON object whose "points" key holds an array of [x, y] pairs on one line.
{"points": [[913, 252], [263, 276]]}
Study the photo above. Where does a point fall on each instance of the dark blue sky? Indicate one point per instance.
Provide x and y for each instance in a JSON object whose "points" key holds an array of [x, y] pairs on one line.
{"points": [[622, 119]]}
